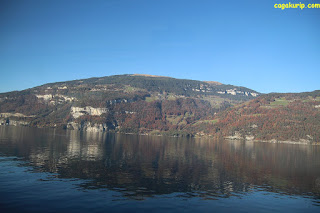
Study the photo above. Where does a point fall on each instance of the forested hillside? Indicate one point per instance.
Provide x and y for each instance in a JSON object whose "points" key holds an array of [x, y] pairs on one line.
{"points": [[166, 106], [276, 117], [126, 103]]}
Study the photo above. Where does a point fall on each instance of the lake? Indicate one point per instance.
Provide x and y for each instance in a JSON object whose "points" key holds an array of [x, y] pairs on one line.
{"points": [[49, 170]]}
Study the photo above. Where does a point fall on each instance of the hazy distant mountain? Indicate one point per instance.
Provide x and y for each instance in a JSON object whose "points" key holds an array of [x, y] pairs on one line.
{"points": [[135, 104]]}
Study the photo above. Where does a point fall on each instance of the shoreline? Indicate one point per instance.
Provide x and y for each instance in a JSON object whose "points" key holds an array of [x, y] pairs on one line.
{"points": [[229, 138], [276, 142]]}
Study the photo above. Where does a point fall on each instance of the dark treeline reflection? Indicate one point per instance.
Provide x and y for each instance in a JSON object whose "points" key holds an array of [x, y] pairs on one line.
{"points": [[140, 166]]}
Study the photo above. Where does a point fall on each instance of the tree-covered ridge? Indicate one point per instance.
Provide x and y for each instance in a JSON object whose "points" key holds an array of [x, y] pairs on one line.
{"points": [[155, 84], [100, 92], [277, 117]]}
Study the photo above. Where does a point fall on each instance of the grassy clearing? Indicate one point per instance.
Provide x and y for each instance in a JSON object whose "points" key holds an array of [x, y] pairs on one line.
{"points": [[253, 115], [152, 98], [171, 97], [215, 101], [279, 102], [178, 119], [309, 99], [206, 122], [130, 89], [174, 119]]}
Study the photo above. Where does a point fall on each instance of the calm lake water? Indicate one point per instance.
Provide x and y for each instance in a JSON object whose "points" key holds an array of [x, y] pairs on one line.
{"points": [[46, 170]]}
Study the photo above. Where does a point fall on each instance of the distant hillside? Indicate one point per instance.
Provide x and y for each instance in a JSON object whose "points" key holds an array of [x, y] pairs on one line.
{"points": [[127, 103], [271, 117]]}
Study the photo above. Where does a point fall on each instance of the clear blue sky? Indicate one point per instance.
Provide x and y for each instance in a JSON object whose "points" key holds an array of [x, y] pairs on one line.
{"points": [[246, 43]]}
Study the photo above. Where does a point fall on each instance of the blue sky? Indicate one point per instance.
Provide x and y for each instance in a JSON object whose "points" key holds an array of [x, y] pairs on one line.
{"points": [[246, 43]]}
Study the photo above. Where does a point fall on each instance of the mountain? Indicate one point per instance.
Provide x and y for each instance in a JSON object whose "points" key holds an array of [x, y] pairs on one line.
{"points": [[147, 104], [127, 103]]}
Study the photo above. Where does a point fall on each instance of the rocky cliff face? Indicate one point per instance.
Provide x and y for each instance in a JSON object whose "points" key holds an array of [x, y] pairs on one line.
{"points": [[87, 126], [88, 110], [235, 91], [7, 121]]}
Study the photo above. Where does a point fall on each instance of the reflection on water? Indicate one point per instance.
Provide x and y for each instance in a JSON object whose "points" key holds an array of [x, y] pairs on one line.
{"points": [[86, 146], [145, 166]]}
